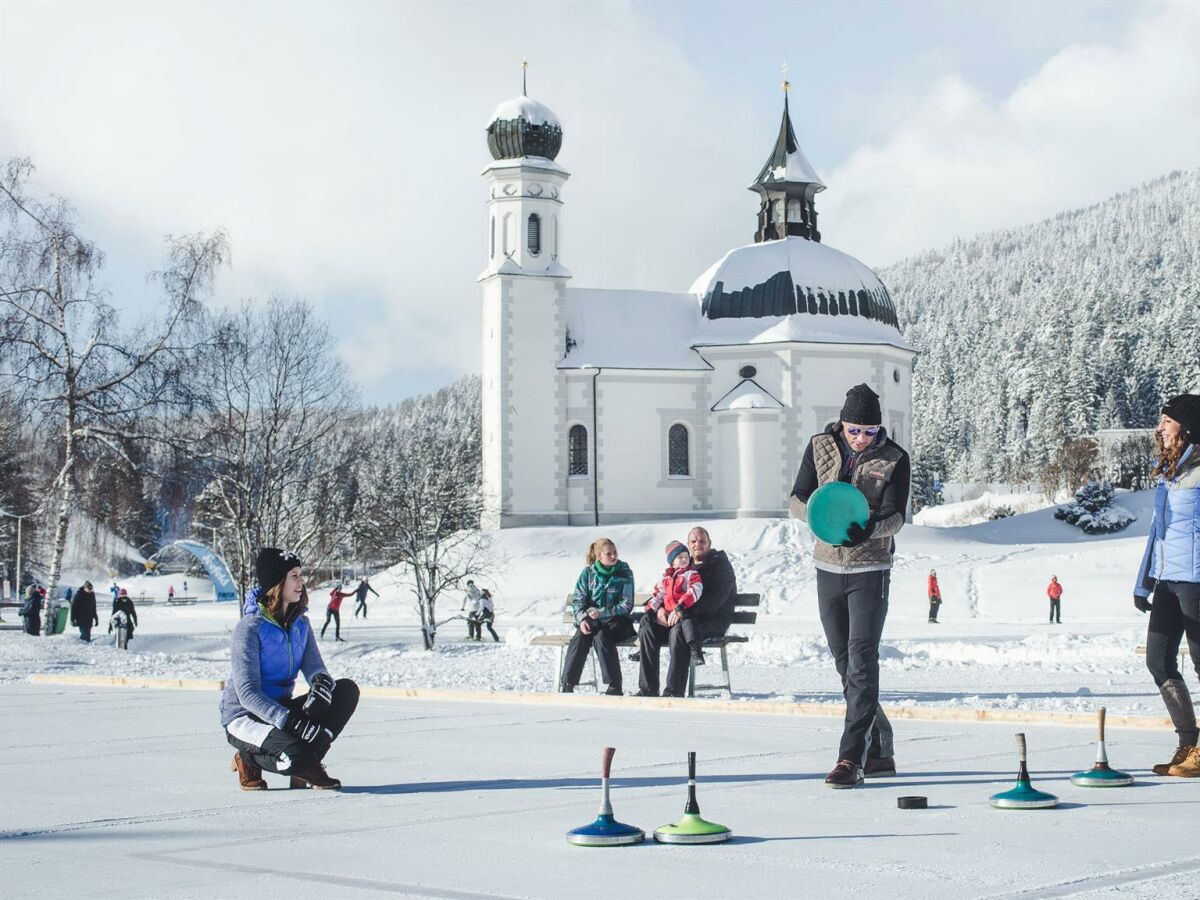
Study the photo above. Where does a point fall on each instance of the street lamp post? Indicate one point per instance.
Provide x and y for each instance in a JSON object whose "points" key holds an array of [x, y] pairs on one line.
{"points": [[20, 519]]}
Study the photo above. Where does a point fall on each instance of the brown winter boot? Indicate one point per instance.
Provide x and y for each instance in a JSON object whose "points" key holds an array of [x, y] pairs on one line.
{"points": [[316, 776], [249, 774], [1189, 768], [1181, 753]]}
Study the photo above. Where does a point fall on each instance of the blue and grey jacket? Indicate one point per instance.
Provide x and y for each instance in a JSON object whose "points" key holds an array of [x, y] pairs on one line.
{"points": [[611, 593], [265, 656], [1173, 547]]}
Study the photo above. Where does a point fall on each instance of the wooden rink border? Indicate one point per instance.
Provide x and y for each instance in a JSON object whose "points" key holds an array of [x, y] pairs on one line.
{"points": [[680, 704]]}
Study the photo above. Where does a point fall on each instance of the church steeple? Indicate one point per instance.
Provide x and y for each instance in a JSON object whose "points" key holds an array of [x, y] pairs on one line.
{"points": [[787, 185]]}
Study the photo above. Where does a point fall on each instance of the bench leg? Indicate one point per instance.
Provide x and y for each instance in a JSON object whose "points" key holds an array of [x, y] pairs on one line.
{"points": [[725, 669], [558, 668], [691, 689]]}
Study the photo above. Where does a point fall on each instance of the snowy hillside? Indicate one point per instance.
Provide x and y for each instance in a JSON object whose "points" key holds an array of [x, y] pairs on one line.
{"points": [[992, 648], [1086, 320]]}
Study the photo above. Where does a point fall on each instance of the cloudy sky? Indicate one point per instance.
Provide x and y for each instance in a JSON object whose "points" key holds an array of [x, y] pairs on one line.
{"points": [[340, 144]]}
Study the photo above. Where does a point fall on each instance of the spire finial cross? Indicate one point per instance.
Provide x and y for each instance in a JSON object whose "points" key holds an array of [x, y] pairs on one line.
{"points": [[524, 86], [786, 84]]}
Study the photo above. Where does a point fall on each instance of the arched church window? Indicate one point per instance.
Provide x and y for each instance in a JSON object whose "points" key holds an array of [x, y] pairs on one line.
{"points": [[776, 210], [535, 234], [577, 450], [678, 456], [510, 244], [554, 237], [492, 254], [795, 212]]}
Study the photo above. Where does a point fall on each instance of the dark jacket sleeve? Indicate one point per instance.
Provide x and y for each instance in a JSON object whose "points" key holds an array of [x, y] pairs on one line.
{"points": [[802, 489], [893, 505], [720, 593]]}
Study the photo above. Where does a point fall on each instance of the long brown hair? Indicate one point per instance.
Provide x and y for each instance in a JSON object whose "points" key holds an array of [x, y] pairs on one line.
{"points": [[593, 553], [1167, 456], [277, 607]]}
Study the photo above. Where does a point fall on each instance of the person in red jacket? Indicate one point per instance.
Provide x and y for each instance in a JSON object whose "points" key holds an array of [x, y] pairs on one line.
{"points": [[935, 597], [333, 611], [669, 620], [1054, 592]]}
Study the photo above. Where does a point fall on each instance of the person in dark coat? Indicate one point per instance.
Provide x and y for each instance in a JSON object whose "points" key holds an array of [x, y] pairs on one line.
{"points": [[31, 610], [361, 593], [124, 603], [83, 611]]}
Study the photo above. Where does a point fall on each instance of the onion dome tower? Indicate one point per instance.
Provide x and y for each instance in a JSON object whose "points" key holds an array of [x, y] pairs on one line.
{"points": [[787, 185]]}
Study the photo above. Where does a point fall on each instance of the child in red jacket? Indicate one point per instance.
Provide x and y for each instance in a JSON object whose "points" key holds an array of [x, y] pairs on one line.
{"points": [[674, 597]]}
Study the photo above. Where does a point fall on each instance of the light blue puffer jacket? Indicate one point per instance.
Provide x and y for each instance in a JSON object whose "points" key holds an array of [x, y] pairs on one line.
{"points": [[1173, 547]]}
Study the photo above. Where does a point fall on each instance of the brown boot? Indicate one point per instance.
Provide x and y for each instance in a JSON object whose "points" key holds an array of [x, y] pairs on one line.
{"points": [[1181, 753], [317, 777], [1189, 768], [249, 774]]}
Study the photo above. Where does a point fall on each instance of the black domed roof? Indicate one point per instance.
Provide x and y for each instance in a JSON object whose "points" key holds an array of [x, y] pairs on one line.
{"points": [[524, 127]]}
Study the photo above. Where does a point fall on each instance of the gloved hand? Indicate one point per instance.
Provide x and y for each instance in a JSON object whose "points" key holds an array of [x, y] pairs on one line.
{"points": [[306, 729], [857, 534], [320, 697], [1142, 603]]}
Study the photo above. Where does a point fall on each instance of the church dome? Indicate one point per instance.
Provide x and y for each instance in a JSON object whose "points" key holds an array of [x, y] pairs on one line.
{"points": [[524, 127], [831, 290]]}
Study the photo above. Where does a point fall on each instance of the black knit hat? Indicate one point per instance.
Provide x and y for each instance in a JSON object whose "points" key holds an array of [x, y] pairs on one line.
{"points": [[272, 566], [861, 406], [1185, 409]]}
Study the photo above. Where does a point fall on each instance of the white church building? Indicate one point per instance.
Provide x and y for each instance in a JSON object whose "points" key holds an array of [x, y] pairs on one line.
{"points": [[617, 404]]}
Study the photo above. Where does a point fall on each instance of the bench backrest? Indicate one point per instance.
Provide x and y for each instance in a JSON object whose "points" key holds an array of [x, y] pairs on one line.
{"points": [[745, 608]]}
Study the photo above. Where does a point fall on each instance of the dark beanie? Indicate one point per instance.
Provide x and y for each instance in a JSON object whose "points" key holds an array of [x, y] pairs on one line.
{"points": [[272, 566], [1185, 409], [862, 406]]}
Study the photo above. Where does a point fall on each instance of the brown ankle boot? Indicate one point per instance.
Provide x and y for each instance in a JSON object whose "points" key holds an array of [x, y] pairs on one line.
{"points": [[1189, 768], [1181, 753], [249, 774], [317, 777]]}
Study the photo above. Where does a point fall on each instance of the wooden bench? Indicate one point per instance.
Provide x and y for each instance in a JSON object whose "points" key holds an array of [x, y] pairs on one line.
{"points": [[745, 612]]}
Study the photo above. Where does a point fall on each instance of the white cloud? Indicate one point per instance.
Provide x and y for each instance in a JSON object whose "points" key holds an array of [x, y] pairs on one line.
{"points": [[1093, 120]]}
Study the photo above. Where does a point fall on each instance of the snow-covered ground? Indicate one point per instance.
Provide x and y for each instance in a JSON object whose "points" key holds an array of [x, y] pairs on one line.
{"points": [[993, 648], [127, 793]]}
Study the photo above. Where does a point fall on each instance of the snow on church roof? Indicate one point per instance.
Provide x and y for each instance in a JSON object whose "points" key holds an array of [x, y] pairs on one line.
{"points": [[527, 108], [609, 329]]}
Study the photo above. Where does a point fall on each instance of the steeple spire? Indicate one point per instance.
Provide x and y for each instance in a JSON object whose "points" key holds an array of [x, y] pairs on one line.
{"points": [[524, 85], [787, 184]]}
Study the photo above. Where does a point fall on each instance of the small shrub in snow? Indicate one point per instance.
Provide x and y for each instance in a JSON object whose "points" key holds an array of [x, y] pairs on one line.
{"points": [[1000, 512], [1092, 510]]}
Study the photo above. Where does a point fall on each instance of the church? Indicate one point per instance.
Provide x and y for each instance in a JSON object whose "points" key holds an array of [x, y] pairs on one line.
{"points": [[622, 405]]}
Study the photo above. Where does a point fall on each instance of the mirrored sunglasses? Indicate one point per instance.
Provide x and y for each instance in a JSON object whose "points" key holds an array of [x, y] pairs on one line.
{"points": [[869, 432]]}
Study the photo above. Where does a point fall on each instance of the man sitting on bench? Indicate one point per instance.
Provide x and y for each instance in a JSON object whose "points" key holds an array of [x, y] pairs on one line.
{"points": [[712, 617]]}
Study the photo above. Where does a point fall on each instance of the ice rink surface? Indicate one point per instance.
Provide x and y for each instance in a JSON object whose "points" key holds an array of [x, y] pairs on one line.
{"points": [[127, 793]]}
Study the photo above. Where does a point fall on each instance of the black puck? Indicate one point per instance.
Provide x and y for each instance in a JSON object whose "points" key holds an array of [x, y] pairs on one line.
{"points": [[912, 802]]}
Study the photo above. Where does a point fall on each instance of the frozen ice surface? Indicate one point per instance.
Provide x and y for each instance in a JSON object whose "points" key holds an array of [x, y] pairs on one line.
{"points": [[127, 793]]}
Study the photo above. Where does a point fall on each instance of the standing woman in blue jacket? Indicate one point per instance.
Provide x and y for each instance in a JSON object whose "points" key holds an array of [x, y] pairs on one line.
{"points": [[274, 641], [1171, 570]]}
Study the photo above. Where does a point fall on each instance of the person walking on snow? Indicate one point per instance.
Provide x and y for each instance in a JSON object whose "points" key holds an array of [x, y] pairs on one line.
{"points": [[124, 604], [334, 611], [487, 614], [853, 580], [935, 597], [471, 604], [669, 619], [1054, 592], [273, 642], [361, 592], [171, 593], [31, 610], [1170, 570], [83, 611], [601, 604]]}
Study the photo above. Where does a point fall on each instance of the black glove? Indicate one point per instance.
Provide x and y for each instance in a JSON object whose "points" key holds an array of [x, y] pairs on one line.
{"points": [[320, 697], [306, 729], [1142, 603], [857, 534]]}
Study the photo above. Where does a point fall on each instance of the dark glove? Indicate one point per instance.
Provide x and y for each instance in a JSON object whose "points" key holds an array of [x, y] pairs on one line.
{"points": [[305, 729], [1142, 603], [857, 534], [320, 697]]}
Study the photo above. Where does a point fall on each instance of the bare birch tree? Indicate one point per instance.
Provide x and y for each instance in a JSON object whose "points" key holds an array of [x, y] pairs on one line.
{"points": [[60, 339]]}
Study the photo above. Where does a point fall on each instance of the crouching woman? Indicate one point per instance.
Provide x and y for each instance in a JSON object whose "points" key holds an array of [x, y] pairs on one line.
{"points": [[274, 640]]}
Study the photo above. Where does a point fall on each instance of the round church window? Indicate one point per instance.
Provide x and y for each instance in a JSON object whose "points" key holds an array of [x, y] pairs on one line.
{"points": [[747, 371]]}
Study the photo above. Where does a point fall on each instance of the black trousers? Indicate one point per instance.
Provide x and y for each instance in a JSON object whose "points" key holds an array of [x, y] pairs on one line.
{"points": [[361, 605], [606, 635], [1056, 611], [1175, 613], [285, 753], [85, 632], [331, 613], [853, 608], [934, 603], [680, 638], [486, 618]]}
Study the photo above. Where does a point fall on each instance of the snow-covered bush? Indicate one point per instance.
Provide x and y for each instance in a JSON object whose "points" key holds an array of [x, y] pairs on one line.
{"points": [[1093, 510], [1000, 512]]}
